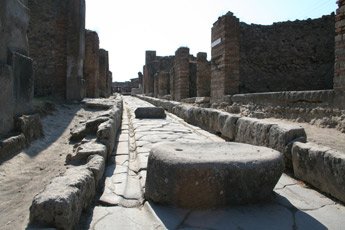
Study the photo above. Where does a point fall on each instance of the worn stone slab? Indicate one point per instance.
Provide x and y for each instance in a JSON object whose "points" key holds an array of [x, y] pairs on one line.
{"points": [[211, 174], [96, 163], [104, 218], [320, 166], [60, 204], [87, 149], [150, 112]]}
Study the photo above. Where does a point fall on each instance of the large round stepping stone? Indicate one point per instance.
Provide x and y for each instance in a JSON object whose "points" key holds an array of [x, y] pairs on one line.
{"points": [[205, 175]]}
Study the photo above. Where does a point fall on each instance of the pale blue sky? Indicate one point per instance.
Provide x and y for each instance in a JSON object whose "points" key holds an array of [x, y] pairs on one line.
{"points": [[129, 27]]}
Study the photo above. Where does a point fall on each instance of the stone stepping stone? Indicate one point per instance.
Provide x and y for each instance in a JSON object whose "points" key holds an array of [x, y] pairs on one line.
{"points": [[206, 175], [150, 112]]}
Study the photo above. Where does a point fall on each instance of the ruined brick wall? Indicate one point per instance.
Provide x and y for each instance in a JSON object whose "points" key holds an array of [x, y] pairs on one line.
{"points": [[339, 67], [181, 75], [225, 57], [91, 64], [203, 75], [103, 72], [16, 73], [284, 56], [56, 41], [47, 40]]}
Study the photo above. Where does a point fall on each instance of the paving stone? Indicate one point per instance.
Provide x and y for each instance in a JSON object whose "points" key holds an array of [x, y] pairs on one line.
{"points": [[122, 148], [250, 217], [326, 217], [304, 198]]}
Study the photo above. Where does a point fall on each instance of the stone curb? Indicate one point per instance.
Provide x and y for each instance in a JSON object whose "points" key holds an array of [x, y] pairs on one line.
{"points": [[61, 203], [235, 128], [322, 167]]}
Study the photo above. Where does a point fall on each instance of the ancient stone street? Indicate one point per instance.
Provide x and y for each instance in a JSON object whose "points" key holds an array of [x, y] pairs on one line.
{"points": [[122, 204]]}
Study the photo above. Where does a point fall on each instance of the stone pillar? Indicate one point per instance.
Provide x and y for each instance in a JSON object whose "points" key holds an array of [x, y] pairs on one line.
{"points": [[140, 77], [109, 82], [91, 64], [203, 75], [149, 72], [103, 72], [181, 66], [339, 68], [75, 88], [172, 83], [163, 83], [155, 84], [16, 73], [225, 62], [192, 78]]}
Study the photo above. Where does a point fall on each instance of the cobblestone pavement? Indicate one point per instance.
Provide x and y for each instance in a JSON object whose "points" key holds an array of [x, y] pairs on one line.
{"points": [[122, 206]]}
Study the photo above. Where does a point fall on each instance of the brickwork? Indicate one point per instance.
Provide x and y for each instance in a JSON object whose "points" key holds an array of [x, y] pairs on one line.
{"points": [[91, 64], [339, 68], [109, 83], [225, 72], [181, 76], [203, 73], [287, 56], [56, 41], [103, 72]]}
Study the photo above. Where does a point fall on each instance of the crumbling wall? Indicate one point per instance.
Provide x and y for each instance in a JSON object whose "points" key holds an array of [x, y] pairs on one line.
{"points": [[16, 74], [284, 56], [57, 39], [203, 73], [339, 68], [287, 56], [91, 64]]}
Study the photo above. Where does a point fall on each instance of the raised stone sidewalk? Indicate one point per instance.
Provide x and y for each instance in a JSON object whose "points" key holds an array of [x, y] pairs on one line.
{"points": [[122, 205]]}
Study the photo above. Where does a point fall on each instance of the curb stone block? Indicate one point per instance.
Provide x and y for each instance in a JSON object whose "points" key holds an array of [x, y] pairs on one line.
{"points": [[60, 204], [320, 166]]}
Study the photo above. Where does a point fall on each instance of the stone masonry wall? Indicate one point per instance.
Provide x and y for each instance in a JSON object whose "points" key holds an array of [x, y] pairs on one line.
{"points": [[287, 56], [203, 74], [225, 72], [91, 64], [16, 73], [192, 77], [339, 68], [181, 78], [56, 41]]}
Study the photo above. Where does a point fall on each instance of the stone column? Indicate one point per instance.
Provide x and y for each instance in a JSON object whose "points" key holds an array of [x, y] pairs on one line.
{"points": [[181, 66], [163, 83], [109, 82], [91, 64], [225, 62], [203, 74], [339, 68], [75, 88], [149, 72], [103, 72]]}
